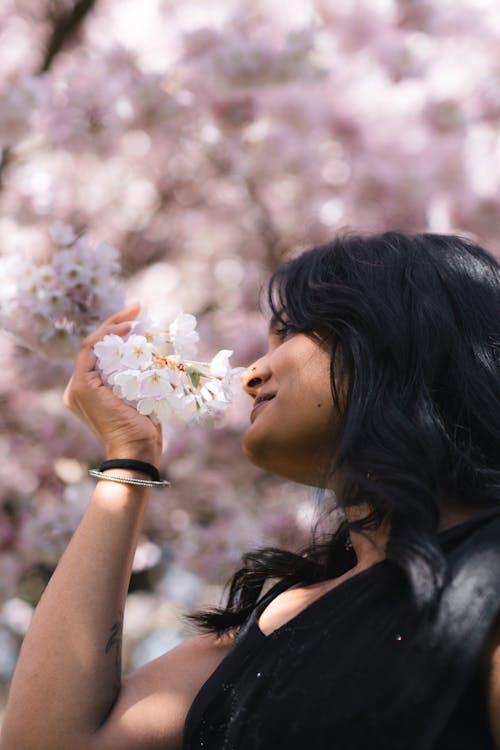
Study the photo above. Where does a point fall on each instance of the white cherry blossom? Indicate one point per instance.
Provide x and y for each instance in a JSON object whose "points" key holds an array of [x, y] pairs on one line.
{"points": [[148, 370], [156, 383], [126, 384], [109, 353], [137, 352], [219, 366], [183, 335]]}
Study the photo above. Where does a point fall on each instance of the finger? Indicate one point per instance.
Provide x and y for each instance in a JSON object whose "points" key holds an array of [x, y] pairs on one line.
{"points": [[127, 314], [118, 329], [118, 318], [122, 316]]}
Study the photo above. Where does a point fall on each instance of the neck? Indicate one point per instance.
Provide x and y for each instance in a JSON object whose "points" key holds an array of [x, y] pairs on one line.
{"points": [[369, 545], [453, 516]]}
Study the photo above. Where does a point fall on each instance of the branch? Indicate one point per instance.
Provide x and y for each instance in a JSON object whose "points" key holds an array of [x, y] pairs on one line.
{"points": [[274, 244], [66, 26], [4, 161], [272, 241]]}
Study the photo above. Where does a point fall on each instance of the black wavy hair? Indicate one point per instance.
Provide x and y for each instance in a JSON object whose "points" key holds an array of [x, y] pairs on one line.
{"points": [[413, 321]]}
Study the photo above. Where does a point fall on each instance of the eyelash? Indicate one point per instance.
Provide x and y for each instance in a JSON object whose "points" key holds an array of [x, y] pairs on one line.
{"points": [[284, 331]]}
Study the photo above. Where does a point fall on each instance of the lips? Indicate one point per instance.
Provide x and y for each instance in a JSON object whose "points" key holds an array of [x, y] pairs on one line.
{"points": [[260, 400]]}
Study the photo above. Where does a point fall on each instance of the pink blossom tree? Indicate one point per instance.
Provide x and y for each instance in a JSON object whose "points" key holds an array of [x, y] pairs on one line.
{"points": [[206, 141]]}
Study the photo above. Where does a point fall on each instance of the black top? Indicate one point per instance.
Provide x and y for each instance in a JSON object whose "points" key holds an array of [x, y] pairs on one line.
{"points": [[360, 668]]}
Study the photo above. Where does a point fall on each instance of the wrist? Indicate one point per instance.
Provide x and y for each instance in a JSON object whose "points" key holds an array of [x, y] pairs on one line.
{"points": [[147, 452], [133, 464], [124, 474], [127, 469]]}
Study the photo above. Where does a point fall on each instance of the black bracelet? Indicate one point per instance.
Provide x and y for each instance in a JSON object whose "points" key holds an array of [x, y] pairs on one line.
{"points": [[130, 463]]}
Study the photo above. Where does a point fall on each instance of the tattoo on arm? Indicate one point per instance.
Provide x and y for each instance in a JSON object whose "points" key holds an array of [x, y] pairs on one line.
{"points": [[115, 642]]}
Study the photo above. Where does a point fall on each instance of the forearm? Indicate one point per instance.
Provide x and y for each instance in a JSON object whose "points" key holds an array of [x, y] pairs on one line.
{"points": [[68, 673]]}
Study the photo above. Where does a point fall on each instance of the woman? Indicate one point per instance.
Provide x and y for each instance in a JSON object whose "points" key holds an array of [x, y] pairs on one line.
{"points": [[381, 382]]}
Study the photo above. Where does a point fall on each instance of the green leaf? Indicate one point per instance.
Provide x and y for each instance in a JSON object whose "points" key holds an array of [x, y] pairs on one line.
{"points": [[194, 376]]}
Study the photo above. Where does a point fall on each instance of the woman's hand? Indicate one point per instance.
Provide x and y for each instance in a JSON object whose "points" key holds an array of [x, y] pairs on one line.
{"points": [[123, 432]]}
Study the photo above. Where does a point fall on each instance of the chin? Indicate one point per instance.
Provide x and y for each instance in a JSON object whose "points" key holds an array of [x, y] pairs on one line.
{"points": [[283, 463]]}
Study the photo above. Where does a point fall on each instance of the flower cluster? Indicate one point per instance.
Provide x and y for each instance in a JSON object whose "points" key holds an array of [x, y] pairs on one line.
{"points": [[154, 370], [50, 306]]}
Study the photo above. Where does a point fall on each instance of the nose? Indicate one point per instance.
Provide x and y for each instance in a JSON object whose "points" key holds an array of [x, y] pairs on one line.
{"points": [[254, 376]]}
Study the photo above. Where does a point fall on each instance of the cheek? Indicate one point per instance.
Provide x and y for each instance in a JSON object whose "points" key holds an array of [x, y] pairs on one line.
{"points": [[299, 423], [298, 429]]}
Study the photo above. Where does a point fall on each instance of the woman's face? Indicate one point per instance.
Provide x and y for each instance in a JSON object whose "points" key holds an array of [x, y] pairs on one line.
{"points": [[293, 424]]}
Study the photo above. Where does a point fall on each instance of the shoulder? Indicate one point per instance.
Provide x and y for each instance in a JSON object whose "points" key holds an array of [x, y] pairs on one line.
{"points": [[154, 700]]}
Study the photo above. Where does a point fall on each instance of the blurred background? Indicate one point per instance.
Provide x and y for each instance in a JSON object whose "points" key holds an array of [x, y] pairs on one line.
{"points": [[208, 140]]}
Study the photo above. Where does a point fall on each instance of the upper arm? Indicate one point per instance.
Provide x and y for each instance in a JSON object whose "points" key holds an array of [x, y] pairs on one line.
{"points": [[492, 669], [154, 700]]}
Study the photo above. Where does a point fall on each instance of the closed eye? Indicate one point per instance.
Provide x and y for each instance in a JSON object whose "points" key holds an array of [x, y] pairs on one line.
{"points": [[284, 331]]}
